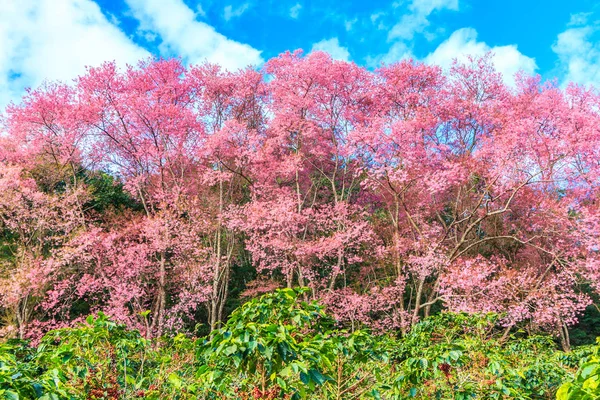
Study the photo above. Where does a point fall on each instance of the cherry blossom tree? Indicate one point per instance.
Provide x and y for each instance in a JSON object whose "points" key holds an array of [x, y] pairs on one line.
{"points": [[33, 224], [391, 193]]}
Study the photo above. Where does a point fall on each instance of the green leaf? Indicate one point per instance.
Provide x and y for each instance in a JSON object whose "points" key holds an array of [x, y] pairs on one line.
{"points": [[175, 380], [589, 369], [304, 378], [67, 356], [10, 395], [563, 391], [282, 383], [317, 377], [230, 350]]}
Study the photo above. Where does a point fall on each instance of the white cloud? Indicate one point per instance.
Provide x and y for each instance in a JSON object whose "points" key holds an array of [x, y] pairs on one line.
{"points": [[578, 51], [349, 24], [398, 51], [377, 19], [428, 6], [55, 40], [508, 60], [182, 35], [375, 16], [295, 10], [230, 12], [579, 18], [416, 20], [332, 46], [200, 11]]}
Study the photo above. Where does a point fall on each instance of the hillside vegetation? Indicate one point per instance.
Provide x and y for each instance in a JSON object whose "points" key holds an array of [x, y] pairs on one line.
{"points": [[279, 346], [444, 227]]}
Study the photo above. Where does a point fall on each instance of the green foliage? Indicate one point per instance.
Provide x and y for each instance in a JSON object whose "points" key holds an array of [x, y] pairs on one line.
{"points": [[97, 360], [588, 328], [586, 384], [461, 356], [275, 344], [107, 193], [17, 378], [282, 346]]}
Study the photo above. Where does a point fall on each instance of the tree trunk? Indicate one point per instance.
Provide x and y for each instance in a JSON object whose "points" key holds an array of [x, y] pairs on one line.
{"points": [[338, 268], [415, 317], [217, 274], [565, 340], [20, 322], [431, 297], [224, 292], [214, 301], [161, 298]]}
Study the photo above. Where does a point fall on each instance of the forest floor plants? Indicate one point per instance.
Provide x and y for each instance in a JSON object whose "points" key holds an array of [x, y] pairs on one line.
{"points": [[281, 346]]}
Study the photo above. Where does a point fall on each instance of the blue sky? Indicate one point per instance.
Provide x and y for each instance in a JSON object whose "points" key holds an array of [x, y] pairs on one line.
{"points": [[56, 39]]}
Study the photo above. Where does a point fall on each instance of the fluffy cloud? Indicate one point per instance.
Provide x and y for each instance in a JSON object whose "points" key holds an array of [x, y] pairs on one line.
{"points": [[332, 46], [349, 23], [229, 12], [55, 40], [579, 18], [578, 51], [295, 10], [508, 60], [398, 51], [416, 20], [182, 35]]}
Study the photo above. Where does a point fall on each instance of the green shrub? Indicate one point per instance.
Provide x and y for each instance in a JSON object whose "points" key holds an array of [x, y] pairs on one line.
{"points": [[586, 383], [280, 346], [460, 356]]}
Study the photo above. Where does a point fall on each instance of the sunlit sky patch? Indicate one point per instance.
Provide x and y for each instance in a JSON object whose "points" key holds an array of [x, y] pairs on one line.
{"points": [[56, 39]]}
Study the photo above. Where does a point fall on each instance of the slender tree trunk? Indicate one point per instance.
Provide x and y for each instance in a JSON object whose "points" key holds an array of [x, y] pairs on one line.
{"points": [[431, 297], [20, 321], [565, 340], [219, 268], [163, 292], [161, 298], [77, 200], [214, 301], [505, 333], [415, 317], [224, 291], [290, 278], [403, 324], [338, 268]]}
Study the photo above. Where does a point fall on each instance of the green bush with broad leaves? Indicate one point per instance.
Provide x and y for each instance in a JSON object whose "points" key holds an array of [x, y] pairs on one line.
{"points": [[282, 346], [460, 356], [586, 383], [97, 360], [18, 376]]}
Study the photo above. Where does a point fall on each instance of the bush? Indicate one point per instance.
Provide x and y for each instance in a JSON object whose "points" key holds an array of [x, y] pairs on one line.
{"points": [[280, 346], [586, 383], [462, 356]]}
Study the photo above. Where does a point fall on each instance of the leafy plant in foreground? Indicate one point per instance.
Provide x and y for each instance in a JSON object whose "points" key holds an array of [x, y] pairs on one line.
{"points": [[586, 384], [275, 345], [281, 346]]}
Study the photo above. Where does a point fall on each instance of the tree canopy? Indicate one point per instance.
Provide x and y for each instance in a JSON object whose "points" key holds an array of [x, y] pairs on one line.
{"points": [[157, 193]]}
